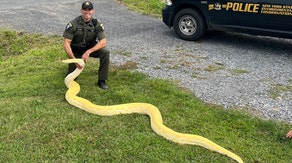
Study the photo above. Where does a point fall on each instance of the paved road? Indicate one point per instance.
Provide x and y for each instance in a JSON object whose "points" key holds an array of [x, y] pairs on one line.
{"points": [[12, 4], [156, 49]]}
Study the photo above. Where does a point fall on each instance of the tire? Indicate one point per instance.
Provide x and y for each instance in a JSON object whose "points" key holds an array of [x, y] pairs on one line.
{"points": [[188, 24]]}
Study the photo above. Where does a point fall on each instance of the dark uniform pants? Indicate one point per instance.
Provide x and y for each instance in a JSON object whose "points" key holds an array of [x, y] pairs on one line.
{"points": [[102, 54]]}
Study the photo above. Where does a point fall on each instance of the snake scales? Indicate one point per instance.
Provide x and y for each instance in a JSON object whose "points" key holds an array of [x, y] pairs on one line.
{"points": [[141, 108]]}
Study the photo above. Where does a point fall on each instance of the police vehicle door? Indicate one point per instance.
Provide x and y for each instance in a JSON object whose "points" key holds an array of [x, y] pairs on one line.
{"points": [[276, 15], [233, 14]]}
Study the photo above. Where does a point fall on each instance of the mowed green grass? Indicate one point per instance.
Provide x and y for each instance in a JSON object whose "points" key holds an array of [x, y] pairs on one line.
{"points": [[38, 125]]}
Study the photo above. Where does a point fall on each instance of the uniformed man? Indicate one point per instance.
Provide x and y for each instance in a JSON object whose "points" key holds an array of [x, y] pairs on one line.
{"points": [[85, 37]]}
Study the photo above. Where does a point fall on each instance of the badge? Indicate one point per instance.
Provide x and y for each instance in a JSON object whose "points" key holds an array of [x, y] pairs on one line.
{"points": [[217, 6]]}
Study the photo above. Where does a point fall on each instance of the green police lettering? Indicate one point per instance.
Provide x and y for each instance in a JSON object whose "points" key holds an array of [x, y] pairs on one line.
{"points": [[243, 7]]}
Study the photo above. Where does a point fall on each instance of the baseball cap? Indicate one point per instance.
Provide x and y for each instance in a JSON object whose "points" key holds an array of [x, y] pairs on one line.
{"points": [[87, 4]]}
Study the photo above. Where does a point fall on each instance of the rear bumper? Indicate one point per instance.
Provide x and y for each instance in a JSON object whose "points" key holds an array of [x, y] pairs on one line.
{"points": [[166, 15]]}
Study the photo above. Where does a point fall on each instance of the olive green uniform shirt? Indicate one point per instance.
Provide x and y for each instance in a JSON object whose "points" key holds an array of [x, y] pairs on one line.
{"points": [[81, 34]]}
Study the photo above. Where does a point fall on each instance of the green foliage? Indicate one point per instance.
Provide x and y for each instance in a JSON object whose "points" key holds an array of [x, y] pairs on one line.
{"points": [[150, 7], [16, 43], [38, 125]]}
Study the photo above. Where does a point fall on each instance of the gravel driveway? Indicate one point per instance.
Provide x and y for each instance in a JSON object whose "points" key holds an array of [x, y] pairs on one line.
{"points": [[233, 70]]}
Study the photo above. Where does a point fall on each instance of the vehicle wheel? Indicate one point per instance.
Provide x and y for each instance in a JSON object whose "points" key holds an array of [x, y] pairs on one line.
{"points": [[189, 24]]}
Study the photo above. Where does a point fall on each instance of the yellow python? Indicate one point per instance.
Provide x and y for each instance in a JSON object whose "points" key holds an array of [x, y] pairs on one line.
{"points": [[141, 108]]}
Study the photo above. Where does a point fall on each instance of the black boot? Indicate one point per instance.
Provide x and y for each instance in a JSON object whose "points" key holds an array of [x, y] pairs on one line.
{"points": [[102, 84]]}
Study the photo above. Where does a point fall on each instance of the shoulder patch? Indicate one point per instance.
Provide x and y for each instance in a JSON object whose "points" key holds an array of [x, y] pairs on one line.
{"points": [[101, 26], [69, 26]]}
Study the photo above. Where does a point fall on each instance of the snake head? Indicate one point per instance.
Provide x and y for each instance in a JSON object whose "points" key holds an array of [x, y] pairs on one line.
{"points": [[79, 61]]}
